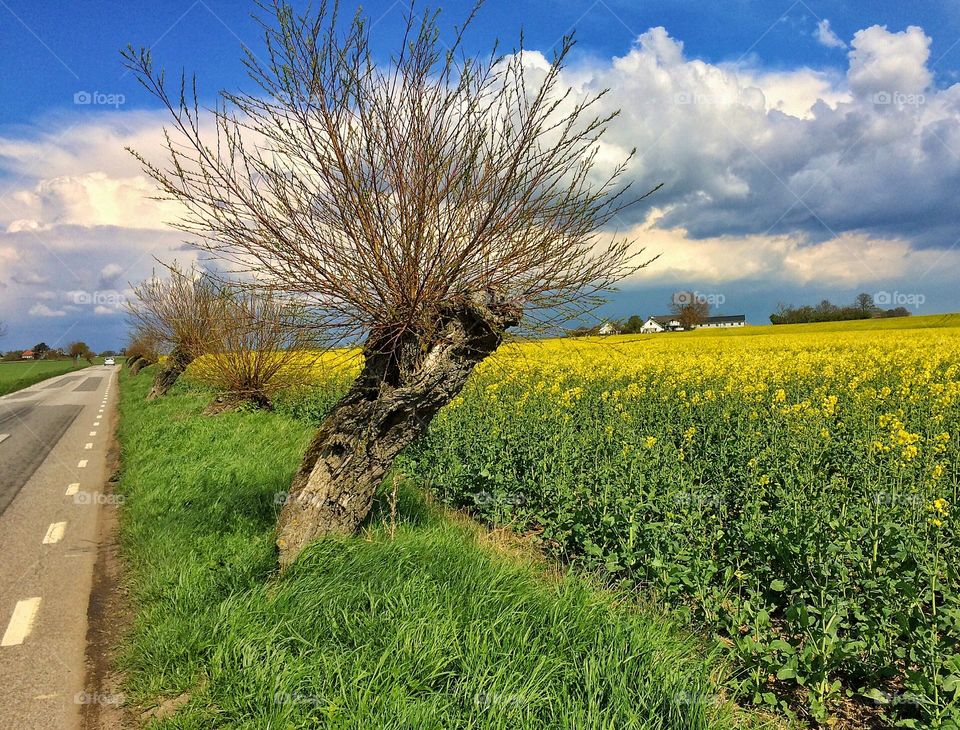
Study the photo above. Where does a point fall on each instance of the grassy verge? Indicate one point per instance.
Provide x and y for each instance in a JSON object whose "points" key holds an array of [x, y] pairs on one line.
{"points": [[16, 376], [424, 626]]}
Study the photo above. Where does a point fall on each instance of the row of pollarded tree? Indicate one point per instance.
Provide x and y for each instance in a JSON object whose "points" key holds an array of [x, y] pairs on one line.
{"points": [[256, 343], [420, 207]]}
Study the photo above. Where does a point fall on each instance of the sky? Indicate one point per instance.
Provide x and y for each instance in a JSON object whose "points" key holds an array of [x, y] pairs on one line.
{"points": [[808, 150]]}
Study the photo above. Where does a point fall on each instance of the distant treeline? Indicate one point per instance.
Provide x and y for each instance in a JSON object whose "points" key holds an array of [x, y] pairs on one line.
{"points": [[826, 311]]}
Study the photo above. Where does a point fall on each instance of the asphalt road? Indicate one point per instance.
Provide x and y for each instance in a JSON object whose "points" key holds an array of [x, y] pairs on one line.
{"points": [[54, 438]]}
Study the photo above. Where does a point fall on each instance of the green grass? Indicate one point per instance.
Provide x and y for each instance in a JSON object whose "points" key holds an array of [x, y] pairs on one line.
{"points": [[429, 628], [15, 376]]}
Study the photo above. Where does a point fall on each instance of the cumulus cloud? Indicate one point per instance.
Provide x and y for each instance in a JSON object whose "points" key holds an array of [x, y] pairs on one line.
{"points": [[744, 151], [827, 37], [885, 62], [802, 176], [109, 274], [42, 310]]}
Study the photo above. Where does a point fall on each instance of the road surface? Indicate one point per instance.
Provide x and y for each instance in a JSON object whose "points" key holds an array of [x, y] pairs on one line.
{"points": [[54, 438]]}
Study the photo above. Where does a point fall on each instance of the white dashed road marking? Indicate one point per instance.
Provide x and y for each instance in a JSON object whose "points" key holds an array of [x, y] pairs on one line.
{"points": [[82, 464], [21, 622], [88, 446], [72, 489], [55, 533], [4, 437], [93, 433]]}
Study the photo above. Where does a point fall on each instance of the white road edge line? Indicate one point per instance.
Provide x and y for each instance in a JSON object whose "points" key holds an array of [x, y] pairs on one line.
{"points": [[21, 622], [82, 464], [4, 437], [96, 423], [93, 433], [55, 533], [88, 446], [72, 489]]}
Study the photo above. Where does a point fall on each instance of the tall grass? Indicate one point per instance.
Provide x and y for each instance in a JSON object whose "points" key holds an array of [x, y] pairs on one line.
{"points": [[416, 625]]}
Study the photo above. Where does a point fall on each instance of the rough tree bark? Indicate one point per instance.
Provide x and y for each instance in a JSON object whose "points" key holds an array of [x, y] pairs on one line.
{"points": [[139, 365], [167, 375], [131, 360], [399, 390]]}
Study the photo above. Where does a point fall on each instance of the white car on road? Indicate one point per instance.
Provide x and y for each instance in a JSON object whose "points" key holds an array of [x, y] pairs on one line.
{"points": [[109, 361]]}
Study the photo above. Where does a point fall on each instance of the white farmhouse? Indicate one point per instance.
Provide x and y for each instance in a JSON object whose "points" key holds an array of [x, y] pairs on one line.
{"points": [[661, 323], [608, 328]]}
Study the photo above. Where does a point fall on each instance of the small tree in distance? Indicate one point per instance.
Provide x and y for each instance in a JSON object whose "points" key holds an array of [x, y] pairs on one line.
{"points": [[264, 349], [423, 208], [690, 309], [142, 350], [182, 314], [76, 350], [40, 350]]}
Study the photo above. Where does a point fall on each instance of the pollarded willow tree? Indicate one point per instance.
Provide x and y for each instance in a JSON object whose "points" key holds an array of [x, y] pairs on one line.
{"points": [[422, 206], [181, 314]]}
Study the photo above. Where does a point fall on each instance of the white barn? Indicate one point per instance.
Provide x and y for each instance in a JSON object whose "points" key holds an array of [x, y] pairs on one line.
{"points": [[724, 321]]}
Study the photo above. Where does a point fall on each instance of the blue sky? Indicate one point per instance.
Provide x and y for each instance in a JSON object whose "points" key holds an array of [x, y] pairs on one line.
{"points": [[809, 149]]}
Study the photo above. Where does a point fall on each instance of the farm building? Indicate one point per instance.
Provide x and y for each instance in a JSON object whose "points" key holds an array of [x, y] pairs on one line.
{"points": [[669, 323], [26, 355], [608, 328], [727, 320], [661, 323]]}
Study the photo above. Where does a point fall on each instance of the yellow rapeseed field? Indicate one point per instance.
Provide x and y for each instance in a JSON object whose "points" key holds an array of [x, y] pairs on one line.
{"points": [[792, 490]]}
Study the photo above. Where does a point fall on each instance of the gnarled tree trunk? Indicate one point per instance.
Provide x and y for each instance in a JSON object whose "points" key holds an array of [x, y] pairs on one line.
{"points": [[167, 375], [400, 389]]}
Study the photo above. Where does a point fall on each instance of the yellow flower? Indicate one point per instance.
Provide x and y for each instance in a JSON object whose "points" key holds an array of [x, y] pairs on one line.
{"points": [[649, 441]]}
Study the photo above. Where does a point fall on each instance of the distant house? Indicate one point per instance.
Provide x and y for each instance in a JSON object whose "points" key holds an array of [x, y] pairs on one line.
{"points": [[661, 323], [723, 321], [669, 323], [26, 355], [609, 328]]}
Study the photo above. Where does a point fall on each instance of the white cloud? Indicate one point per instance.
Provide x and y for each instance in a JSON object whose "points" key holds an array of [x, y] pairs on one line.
{"points": [[827, 37], [42, 310], [792, 175], [893, 63], [847, 261]]}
